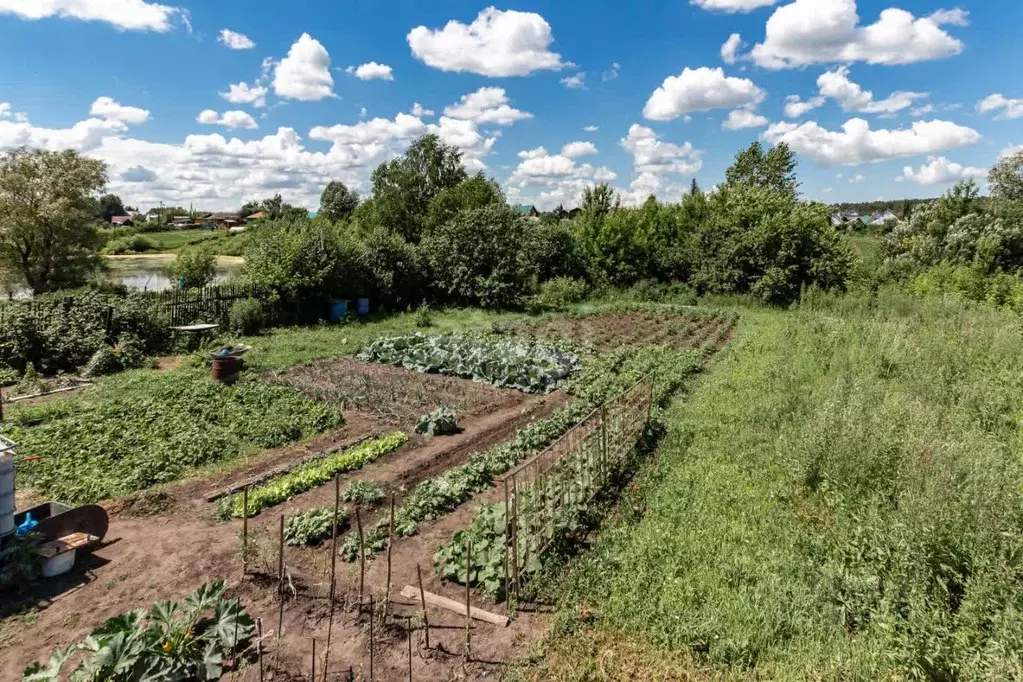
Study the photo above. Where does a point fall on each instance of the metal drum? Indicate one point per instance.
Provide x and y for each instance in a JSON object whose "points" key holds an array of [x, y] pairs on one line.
{"points": [[6, 493]]}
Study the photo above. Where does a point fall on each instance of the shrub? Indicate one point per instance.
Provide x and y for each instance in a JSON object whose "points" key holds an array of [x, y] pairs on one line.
{"points": [[312, 526], [363, 493], [559, 293], [423, 317], [134, 243], [247, 317], [440, 422], [194, 267]]}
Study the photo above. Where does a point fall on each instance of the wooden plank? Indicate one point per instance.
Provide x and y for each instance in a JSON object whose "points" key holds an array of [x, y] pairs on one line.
{"points": [[48, 550], [458, 607]]}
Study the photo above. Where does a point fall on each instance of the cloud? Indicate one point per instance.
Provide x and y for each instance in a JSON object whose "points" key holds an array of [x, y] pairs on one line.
{"points": [[243, 93], [108, 108], [419, 110], [371, 71], [235, 41], [1011, 150], [591, 129], [576, 82], [856, 143], [917, 112], [574, 150], [5, 109], [305, 73], [1013, 108], [651, 154], [940, 171], [126, 15], [700, 89], [497, 44], [820, 31], [138, 174], [230, 119], [611, 73], [795, 107], [740, 119], [730, 49], [486, 105], [732, 6], [857, 179], [851, 97]]}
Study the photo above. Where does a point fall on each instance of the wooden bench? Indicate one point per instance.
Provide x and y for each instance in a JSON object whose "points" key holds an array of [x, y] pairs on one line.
{"points": [[48, 550]]}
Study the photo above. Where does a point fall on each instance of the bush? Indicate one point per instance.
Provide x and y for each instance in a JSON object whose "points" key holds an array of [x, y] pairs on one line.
{"points": [[423, 317], [132, 243], [363, 493], [559, 293], [247, 317], [477, 258], [313, 526], [440, 422], [194, 267]]}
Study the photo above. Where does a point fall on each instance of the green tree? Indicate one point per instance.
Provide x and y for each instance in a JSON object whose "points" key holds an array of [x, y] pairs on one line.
{"points": [[475, 192], [109, 206], [47, 239], [775, 169], [694, 188], [404, 187], [337, 201], [1006, 178], [193, 267], [600, 200]]}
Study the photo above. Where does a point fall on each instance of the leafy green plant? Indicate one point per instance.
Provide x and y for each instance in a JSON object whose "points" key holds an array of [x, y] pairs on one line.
{"points": [[529, 367], [423, 317], [19, 563], [440, 422], [173, 641], [310, 476], [312, 526], [559, 293], [247, 316], [375, 541], [363, 493], [195, 266]]}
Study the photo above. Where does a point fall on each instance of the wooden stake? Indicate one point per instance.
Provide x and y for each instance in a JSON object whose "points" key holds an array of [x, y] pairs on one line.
{"points": [[245, 531], [422, 597], [333, 569], [362, 561], [515, 534], [259, 646], [408, 625], [371, 609], [507, 549], [280, 585], [390, 544], [313, 676], [468, 614]]}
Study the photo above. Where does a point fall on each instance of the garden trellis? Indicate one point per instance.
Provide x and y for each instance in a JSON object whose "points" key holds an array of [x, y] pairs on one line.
{"points": [[544, 495]]}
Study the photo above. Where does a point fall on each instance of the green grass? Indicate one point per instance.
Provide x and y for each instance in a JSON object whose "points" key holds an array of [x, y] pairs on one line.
{"points": [[175, 239], [841, 499]]}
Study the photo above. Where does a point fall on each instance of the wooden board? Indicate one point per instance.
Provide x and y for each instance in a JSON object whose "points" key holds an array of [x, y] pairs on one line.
{"points": [[195, 328], [48, 550], [458, 607]]}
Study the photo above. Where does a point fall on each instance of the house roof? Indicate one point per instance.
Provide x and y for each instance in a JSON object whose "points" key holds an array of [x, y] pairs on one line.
{"points": [[225, 216], [120, 219], [524, 209], [257, 215]]}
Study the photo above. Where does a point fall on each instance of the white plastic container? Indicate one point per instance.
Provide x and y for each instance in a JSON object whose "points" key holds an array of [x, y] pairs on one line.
{"points": [[60, 564], [6, 494]]}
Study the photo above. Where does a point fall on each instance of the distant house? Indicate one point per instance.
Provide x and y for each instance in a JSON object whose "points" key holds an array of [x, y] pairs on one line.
{"points": [[882, 217], [526, 211], [121, 221], [180, 222], [152, 214], [574, 213], [225, 220], [259, 215]]}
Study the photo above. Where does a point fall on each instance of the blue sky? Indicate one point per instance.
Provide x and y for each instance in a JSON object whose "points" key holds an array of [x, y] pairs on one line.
{"points": [[893, 84]]}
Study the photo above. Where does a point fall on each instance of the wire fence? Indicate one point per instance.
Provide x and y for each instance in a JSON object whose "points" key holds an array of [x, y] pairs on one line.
{"points": [[545, 495]]}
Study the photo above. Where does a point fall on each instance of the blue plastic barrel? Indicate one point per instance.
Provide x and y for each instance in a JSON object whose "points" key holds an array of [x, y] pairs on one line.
{"points": [[362, 307], [338, 311]]}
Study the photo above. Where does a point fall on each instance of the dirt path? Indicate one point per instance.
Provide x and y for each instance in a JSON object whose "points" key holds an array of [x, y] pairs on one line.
{"points": [[166, 557]]}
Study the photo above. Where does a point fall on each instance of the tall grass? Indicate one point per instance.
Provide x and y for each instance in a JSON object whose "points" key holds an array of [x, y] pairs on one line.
{"points": [[841, 499]]}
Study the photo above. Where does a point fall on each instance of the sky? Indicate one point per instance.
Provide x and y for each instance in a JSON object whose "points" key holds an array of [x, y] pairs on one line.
{"points": [[218, 102]]}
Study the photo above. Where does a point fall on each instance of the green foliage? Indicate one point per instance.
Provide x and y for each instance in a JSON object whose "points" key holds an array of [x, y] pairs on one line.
{"points": [[247, 316], [194, 267], [19, 563], [310, 476], [440, 422], [135, 243], [337, 202], [600, 200], [529, 367], [559, 293], [1002, 290], [424, 320], [364, 493], [173, 641], [553, 251], [47, 238], [110, 205], [136, 430], [486, 565], [478, 258], [313, 526], [774, 170], [1006, 178], [472, 193], [397, 270]]}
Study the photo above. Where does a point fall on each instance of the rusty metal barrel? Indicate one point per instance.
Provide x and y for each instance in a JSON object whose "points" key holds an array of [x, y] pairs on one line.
{"points": [[226, 368]]}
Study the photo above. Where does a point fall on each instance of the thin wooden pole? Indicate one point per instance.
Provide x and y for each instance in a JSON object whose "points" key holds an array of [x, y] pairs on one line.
{"points": [[515, 534], [371, 609], [245, 531], [280, 585], [259, 646], [390, 544], [468, 614], [312, 677], [333, 569], [507, 549], [422, 599], [362, 559], [408, 626]]}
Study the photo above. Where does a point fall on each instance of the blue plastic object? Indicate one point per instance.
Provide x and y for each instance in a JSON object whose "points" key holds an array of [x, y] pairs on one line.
{"points": [[362, 307], [27, 527], [338, 311]]}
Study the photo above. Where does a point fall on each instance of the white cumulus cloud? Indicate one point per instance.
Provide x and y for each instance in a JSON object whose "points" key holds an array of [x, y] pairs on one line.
{"points": [[940, 171], [591, 129], [856, 143], [576, 149], [5, 109], [371, 71], [243, 93], [851, 97], [730, 48], [560, 179], [796, 107], [230, 119], [419, 110], [497, 43], [732, 6], [700, 89], [1009, 108], [108, 108], [234, 40], [305, 73], [1011, 150], [740, 119], [576, 82], [822, 31], [127, 15], [486, 105]]}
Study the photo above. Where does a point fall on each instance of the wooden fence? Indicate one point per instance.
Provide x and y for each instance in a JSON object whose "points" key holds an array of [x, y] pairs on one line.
{"points": [[544, 495]]}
